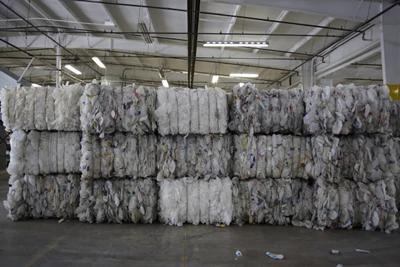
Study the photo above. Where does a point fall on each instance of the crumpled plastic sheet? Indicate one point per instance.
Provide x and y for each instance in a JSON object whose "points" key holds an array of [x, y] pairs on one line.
{"points": [[194, 111], [183, 102], [138, 109], [366, 158], [396, 147], [395, 118], [118, 155], [204, 111], [32, 153], [66, 109], [91, 110], [40, 109], [19, 107], [17, 153], [276, 156], [51, 196], [195, 201], [302, 203], [266, 111], [347, 198], [347, 110], [7, 99], [194, 155], [118, 201], [29, 108], [326, 204]]}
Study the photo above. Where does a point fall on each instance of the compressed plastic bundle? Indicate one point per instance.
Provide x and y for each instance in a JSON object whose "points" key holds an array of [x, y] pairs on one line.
{"points": [[29, 109], [261, 143], [268, 157], [91, 109], [194, 111], [131, 159], [212, 105], [19, 108], [284, 108], [72, 152], [313, 102], [109, 111], [255, 193], [193, 203], [191, 154], [204, 201], [7, 107], [44, 153], [302, 201], [296, 161], [53, 153], [42, 197], [86, 165], [220, 197], [266, 111], [384, 107], [40, 109], [275, 103], [221, 155], [204, 111], [204, 156], [270, 197], [180, 155], [107, 156], [278, 155], [394, 118], [222, 110], [238, 214], [173, 201], [173, 111], [245, 156], [17, 153], [151, 101], [119, 109], [287, 144], [326, 204], [51, 111], [71, 116], [347, 199], [119, 147], [129, 101], [295, 111], [32, 153], [325, 157], [183, 102], [84, 212], [162, 111], [284, 210], [147, 155]]}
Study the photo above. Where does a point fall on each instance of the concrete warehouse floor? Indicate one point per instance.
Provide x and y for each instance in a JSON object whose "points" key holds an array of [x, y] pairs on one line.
{"points": [[71, 243]]}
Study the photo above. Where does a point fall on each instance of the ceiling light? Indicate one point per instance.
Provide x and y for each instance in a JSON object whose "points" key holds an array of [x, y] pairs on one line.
{"points": [[244, 75], [98, 62], [73, 69], [142, 28], [214, 79], [241, 84], [237, 44], [165, 83], [109, 23], [35, 85]]}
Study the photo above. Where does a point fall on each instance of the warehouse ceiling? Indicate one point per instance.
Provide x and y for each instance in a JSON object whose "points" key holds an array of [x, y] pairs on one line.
{"points": [[111, 31]]}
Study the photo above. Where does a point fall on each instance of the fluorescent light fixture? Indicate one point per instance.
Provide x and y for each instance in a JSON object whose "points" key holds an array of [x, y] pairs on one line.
{"points": [[98, 62], [165, 83], [237, 44], [73, 69], [109, 23], [241, 84], [142, 28], [244, 75], [35, 85], [214, 79]]}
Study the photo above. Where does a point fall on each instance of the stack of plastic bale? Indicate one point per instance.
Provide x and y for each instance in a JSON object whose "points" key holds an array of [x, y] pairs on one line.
{"points": [[118, 161], [396, 147], [270, 158], [44, 164], [395, 129], [194, 156]]}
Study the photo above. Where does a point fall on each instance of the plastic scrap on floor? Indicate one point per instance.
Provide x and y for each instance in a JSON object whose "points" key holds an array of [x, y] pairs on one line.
{"points": [[334, 251], [363, 251], [275, 256]]}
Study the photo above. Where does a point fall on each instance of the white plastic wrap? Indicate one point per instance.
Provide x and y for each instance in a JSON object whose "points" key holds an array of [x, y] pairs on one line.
{"points": [[173, 112], [19, 108], [119, 146], [194, 111], [119, 109], [72, 152], [147, 155], [162, 111], [40, 109], [204, 111], [220, 196], [131, 159], [91, 109], [194, 200], [212, 105], [326, 204], [53, 153], [42, 197], [32, 153], [29, 109], [222, 110], [44, 153], [183, 102], [87, 164], [51, 112], [302, 200], [107, 157], [173, 202], [17, 153], [6, 94]]}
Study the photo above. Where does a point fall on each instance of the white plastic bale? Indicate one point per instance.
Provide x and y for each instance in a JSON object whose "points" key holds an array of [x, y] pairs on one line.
{"points": [[226, 152], [119, 148], [183, 102], [147, 154], [326, 203], [271, 200], [194, 111], [17, 153], [129, 101], [278, 152], [140, 113], [173, 114], [204, 111], [302, 200], [118, 96], [151, 100], [11, 107], [29, 109], [50, 109], [166, 158], [87, 161], [72, 152], [213, 113], [44, 150], [193, 208], [173, 202], [99, 196], [19, 108], [235, 113], [132, 156], [256, 196], [32, 152], [162, 111], [40, 109], [308, 158], [347, 199], [61, 108], [146, 194], [275, 103], [296, 148], [245, 156], [91, 109], [204, 160], [191, 155], [238, 211], [6, 94], [266, 111], [204, 201], [284, 114], [109, 114], [312, 99], [221, 205], [384, 107], [180, 156], [287, 143], [222, 111], [296, 111], [301, 164], [54, 153], [261, 143], [284, 210], [268, 156], [15, 204], [218, 169], [107, 156]]}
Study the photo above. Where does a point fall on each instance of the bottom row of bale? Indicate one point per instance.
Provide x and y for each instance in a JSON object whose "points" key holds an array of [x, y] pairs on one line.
{"points": [[309, 203]]}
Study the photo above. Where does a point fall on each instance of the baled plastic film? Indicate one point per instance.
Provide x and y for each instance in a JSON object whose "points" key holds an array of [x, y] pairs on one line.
{"points": [[91, 109], [204, 115], [173, 202], [325, 153], [173, 114], [347, 198], [302, 200], [151, 101], [162, 111], [183, 102], [40, 109], [212, 105], [222, 110], [72, 152], [147, 154], [181, 154], [61, 108], [50, 109], [119, 147], [119, 109], [296, 148], [261, 143], [129, 102], [204, 160], [326, 203], [204, 202], [266, 111], [268, 156], [29, 109], [6, 94], [191, 154], [109, 114], [32, 153], [131, 156], [221, 205], [278, 152], [287, 143], [194, 111], [107, 156], [87, 161], [19, 108], [54, 153], [44, 150], [17, 160], [193, 204], [284, 114], [275, 103], [139, 112]]}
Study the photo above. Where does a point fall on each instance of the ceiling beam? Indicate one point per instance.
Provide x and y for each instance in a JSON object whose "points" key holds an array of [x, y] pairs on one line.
{"points": [[231, 24], [273, 28], [108, 11], [73, 15], [147, 16], [305, 39]]}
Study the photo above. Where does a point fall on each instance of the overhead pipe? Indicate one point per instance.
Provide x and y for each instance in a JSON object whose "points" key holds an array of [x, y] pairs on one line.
{"points": [[27, 21], [195, 35], [189, 37]]}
